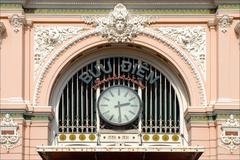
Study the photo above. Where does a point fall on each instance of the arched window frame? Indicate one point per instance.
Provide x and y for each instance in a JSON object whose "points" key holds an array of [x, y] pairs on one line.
{"points": [[178, 85]]}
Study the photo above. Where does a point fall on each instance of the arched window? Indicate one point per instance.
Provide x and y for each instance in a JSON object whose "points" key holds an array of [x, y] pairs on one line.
{"points": [[77, 110]]}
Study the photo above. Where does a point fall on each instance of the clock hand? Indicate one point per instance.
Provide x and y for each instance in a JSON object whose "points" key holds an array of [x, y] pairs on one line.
{"points": [[120, 115], [121, 105]]}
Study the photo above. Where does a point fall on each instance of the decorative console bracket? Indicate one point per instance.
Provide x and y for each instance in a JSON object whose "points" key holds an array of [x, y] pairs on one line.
{"points": [[9, 135], [230, 133]]}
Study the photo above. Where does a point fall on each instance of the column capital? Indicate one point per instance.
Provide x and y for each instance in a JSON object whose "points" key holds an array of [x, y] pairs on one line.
{"points": [[224, 22], [237, 29], [17, 22], [2, 29]]}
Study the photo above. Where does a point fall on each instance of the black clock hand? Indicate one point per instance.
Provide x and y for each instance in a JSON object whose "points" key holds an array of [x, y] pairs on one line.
{"points": [[121, 105], [120, 115], [119, 110]]}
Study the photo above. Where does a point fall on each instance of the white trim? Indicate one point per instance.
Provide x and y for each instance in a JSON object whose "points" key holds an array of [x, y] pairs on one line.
{"points": [[120, 149], [147, 32], [137, 54]]}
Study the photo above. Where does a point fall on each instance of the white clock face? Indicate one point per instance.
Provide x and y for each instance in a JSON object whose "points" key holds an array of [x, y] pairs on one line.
{"points": [[119, 105]]}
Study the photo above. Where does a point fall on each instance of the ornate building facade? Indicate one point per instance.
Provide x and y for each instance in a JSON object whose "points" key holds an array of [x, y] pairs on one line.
{"points": [[119, 79]]}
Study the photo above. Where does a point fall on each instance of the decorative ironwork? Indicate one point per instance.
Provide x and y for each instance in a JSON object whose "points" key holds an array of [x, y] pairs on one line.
{"points": [[141, 30], [9, 135], [77, 111], [230, 133]]}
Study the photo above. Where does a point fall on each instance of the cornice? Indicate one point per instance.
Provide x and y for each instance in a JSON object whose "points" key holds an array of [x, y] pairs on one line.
{"points": [[131, 4], [229, 6], [10, 6], [133, 11]]}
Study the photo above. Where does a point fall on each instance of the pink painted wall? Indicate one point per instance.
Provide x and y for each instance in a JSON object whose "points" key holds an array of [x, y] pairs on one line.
{"points": [[18, 85]]}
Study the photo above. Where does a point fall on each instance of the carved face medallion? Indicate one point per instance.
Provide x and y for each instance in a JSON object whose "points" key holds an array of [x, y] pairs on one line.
{"points": [[120, 26]]}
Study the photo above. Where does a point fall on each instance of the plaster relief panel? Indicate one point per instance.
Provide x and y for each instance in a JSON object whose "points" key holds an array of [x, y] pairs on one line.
{"points": [[119, 26], [9, 134], [192, 39], [48, 38], [224, 22], [17, 22], [230, 136]]}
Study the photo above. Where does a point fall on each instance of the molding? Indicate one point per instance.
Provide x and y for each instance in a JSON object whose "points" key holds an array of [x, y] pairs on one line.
{"points": [[37, 117], [11, 138], [133, 4], [46, 39], [212, 23], [17, 22], [15, 115], [229, 6], [230, 142], [102, 29], [27, 115], [224, 22], [4, 6], [207, 117], [237, 29], [105, 11]]}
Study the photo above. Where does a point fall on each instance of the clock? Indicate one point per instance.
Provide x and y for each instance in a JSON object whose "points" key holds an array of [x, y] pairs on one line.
{"points": [[119, 105]]}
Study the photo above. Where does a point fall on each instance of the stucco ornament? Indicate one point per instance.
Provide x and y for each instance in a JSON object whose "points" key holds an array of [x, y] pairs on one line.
{"points": [[224, 22], [119, 25], [237, 29], [9, 135], [2, 29], [192, 39], [230, 136], [47, 38], [17, 22]]}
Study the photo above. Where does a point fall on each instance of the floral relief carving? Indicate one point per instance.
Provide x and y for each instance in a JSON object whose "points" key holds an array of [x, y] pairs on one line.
{"points": [[9, 135], [192, 39], [224, 22], [119, 25], [47, 38], [230, 136], [17, 22]]}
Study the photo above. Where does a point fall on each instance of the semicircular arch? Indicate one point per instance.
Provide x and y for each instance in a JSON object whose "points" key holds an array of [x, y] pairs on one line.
{"points": [[75, 48]]}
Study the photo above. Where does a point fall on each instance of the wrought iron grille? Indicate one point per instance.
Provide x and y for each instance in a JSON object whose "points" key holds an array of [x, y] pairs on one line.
{"points": [[77, 111]]}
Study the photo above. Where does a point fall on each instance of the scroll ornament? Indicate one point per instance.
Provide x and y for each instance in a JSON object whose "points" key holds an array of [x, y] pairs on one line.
{"points": [[119, 26], [230, 136], [9, 134]]}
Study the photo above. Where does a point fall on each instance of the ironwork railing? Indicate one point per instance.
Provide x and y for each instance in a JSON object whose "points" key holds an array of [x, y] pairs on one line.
{"points": [[77, 111]]}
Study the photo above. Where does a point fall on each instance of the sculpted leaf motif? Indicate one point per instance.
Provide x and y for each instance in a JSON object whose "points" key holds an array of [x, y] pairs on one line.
{"points": [[47, 38], [192, 39]]}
